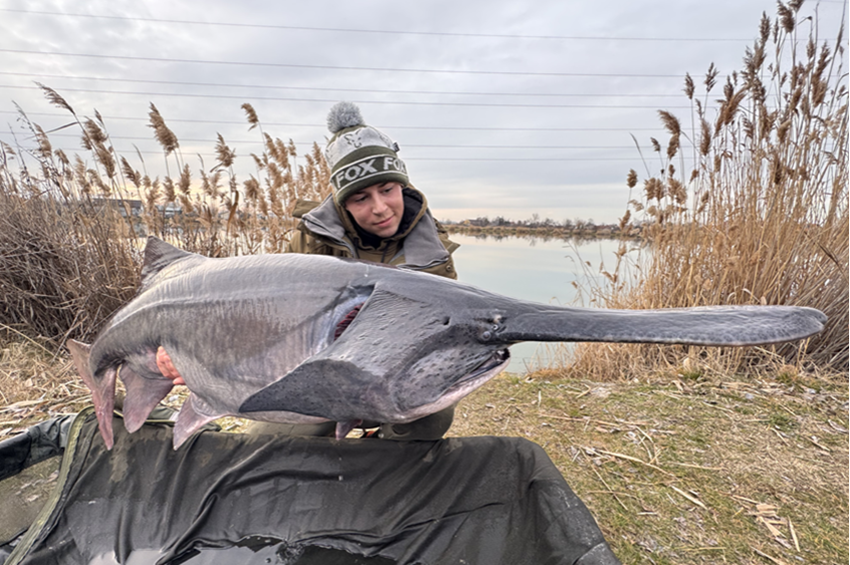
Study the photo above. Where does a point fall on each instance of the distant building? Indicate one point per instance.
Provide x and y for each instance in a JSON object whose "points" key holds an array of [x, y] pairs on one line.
{"points": [[170, 210], [135, 207], [120, 205]]}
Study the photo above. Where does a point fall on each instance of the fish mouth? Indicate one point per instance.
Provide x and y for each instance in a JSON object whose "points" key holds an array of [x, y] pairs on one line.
{"points": [[497, 360], [486, 370]]}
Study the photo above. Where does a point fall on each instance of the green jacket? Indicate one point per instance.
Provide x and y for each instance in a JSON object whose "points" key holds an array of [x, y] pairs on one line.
{"points": [[421, 243]]}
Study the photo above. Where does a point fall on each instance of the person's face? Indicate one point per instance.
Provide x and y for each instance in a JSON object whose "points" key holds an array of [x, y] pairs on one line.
{"points": [[377, 208]]}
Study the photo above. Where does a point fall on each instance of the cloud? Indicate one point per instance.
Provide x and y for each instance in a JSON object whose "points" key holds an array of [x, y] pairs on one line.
{"points": [[500, 106]]}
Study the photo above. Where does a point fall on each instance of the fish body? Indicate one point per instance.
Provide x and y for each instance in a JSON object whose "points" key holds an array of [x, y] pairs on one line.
{"points": [[303, 339]]}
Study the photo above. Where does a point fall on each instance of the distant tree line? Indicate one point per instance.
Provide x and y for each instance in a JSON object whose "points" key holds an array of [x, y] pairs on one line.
{"points": [[545, 227], [533, 222]]}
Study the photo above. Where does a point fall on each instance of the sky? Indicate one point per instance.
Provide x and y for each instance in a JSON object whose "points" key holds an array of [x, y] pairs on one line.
{"points": [[501, 108]]}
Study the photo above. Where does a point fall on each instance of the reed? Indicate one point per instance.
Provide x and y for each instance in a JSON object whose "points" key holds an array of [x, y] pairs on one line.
{"points": [[761, 218], [70, 233]]}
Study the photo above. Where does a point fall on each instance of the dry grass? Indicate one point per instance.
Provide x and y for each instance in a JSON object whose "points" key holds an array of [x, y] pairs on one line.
{"points": [[35, 385], [761, 218], [59, 273]]}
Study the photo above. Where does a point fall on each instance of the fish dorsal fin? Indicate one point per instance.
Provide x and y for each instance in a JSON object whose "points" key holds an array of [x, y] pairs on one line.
{"points": [[158, 255]]}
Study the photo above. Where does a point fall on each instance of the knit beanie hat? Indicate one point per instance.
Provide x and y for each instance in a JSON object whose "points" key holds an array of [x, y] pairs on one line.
{"points": [[359, 155]]}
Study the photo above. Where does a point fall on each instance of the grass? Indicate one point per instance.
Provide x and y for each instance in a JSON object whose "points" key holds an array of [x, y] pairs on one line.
{"points": [[680, 472], [69, 251]]}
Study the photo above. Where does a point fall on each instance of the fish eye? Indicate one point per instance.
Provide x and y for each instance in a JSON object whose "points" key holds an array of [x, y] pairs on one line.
{"points": [[486, 335]]}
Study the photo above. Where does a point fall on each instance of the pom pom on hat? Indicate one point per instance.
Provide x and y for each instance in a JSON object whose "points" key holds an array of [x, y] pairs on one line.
{"points": [[344, 115], [359, 155]]}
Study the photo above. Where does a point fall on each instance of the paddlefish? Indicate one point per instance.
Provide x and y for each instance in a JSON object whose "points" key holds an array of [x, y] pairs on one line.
{"points": [[305, 339]]}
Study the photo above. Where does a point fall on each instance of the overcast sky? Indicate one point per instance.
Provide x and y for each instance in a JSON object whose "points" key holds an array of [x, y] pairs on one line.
{"points": [[500, 107]]}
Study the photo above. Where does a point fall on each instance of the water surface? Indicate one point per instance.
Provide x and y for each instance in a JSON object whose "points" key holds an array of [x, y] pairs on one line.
{"points": [[533, 269]]}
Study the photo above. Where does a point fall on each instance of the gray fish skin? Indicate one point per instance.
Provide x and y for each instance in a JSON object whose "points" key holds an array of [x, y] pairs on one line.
{"points": [[254, 337]]}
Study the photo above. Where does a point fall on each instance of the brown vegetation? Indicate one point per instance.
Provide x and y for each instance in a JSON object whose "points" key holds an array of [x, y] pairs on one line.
{"points": [[523, 229], [69, 247], [762, 218]]}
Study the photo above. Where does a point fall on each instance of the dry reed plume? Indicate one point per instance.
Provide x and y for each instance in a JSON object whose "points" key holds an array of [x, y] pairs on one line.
{"points": [[761, 218]]}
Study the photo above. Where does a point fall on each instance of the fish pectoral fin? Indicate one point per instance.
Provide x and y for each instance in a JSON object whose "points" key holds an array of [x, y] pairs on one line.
{"points": [[143, 394], [102, 389], [194, 415], [327, 388]]}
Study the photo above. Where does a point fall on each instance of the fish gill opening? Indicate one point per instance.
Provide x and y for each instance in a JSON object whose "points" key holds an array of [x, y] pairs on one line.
{"points": [[346, 320]]}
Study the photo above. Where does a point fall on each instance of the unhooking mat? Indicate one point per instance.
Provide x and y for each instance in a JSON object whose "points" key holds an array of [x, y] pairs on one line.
{"points": [[236, 498]]}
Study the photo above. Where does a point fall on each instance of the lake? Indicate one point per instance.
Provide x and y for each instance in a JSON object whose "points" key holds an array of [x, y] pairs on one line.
{"points": [[532, 269]]}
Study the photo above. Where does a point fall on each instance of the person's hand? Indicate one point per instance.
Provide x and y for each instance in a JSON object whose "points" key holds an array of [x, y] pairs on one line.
{"points": [[166, 367]]}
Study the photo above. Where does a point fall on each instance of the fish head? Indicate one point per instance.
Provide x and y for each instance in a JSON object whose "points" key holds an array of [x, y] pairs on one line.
{"points": [[443, 356], [406, 354]]}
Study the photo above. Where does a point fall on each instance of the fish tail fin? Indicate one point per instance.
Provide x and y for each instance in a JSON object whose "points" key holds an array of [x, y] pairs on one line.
{"points": [[102, 389], [143, 394]]}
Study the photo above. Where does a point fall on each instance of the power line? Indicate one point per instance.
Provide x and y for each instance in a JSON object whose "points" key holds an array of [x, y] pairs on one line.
{"points": [[403, 146], [332, 100], [530, 159], [242, 142], [378, 125], [333, 67], [247, 157], [380, 31], [337, 89]]}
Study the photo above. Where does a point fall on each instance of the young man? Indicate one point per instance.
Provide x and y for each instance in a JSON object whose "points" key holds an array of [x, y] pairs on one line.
{"points": [[373, 215]]}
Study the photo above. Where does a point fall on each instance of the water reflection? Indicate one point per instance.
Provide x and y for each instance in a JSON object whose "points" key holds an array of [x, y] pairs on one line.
{"points": [[546, 270], [531, 239]]}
